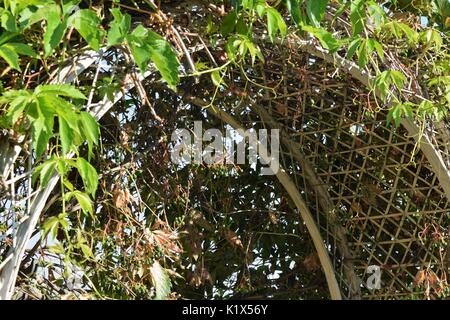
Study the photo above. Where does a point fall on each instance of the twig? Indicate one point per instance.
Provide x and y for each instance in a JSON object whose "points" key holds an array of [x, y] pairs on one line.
{"points": [[94, 83], [184, 48], [4, 262], [141, 90]]}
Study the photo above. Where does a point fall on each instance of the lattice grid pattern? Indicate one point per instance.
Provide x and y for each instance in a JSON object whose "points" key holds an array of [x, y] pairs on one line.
{"points": [[386, 200]]}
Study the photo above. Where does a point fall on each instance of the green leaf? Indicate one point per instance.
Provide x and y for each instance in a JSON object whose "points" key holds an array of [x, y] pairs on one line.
{"points": [[378, 47], [62, 220], [275, 23], [90, 130], [40, 14], [398, 78], [140, 32], [119, 27], [86, 22], [54, 32], [293, 7], [10, 95], [107, 87], [164, 58], [10, 53], [398, 29], [246, 4], [441, 7], [40, 138], [410, 34], [352, 48], [241, 27], [51, 226], [200, 66], [357, 16], [42, 124], [342, 7], [228, 23], [58, 248], [45, 172], [365, 50], [430, 37], [261, 9], [139, 52], [65, 135], [327, 40], [147, 45], [382, 83], [376, 13], [17, 105], [6, 36], [90, 126], [8, 22], [62, 166], [211, 26], [86, 250], [385, 79], [237, 4], [254, 51], [315, 9], [21, 48], [84, 201], [426, 107], [68, 6], [363, 55], [216, 78], [397, 112], [10, 56], [68, 185], [160, 280], [65, 90], [63, 109], [88, 175]]}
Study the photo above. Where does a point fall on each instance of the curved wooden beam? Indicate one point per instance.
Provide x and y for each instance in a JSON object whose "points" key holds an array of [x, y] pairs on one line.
{"points": [[325, 202], [291, 189], [432, 154]]}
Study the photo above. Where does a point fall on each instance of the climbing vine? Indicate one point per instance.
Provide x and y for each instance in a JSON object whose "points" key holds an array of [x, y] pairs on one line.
{"points": [[400, 46]]}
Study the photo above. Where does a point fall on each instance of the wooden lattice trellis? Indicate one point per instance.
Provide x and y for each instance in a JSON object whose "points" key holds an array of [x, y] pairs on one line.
{"points": [[374, 201]]}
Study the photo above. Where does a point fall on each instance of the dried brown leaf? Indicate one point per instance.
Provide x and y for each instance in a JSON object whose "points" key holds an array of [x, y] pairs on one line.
{"points": [[121, 197], [312, 262], [420, 278], [233, 239]]}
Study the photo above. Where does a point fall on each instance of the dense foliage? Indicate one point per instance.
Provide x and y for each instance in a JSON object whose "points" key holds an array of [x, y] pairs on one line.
{"points": [[123, 221]]}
